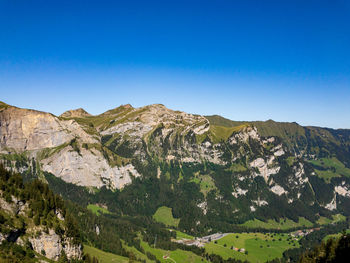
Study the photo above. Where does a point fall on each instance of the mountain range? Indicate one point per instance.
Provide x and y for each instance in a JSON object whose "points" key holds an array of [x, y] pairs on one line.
{"points": [[214, 174]]}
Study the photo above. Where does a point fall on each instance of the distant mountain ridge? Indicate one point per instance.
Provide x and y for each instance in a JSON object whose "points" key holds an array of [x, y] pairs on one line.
{"points": [[226, 172]]}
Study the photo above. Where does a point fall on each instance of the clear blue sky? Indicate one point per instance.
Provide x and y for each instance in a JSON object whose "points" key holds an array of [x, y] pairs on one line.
{"points": [[245, 60]]}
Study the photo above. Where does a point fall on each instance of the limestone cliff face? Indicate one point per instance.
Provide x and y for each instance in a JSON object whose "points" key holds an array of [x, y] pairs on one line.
{"points": [[88, 168], [54, 245], [28, 130], [25, 130]]}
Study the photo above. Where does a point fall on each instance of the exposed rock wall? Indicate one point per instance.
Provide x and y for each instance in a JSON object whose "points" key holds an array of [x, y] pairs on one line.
{"points": [[88, 168], [52, 245], [22, 130]]}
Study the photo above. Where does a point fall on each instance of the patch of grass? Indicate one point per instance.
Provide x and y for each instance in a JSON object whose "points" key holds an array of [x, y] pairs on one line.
{"points": [[115, 159], [291, 160], [326, 175], [15, 157], [338, 218], [47, 152], [104, 257], [136, 253], [97, 209], [333, 168], [221, 121], [175, 255], [260, 247], [282, 224], [103, 121], [221, 133], [335, 219], [289, 132], [335, 236], [165, 215], [181, 235], [201, 137], [323, 220], [206, 183], [167, 175], [236, 167]]}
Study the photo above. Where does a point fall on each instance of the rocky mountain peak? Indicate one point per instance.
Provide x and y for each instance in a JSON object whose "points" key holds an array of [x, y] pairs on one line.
{"points": [[127, 106], [77, 113], [119, 110], [157, 113]]}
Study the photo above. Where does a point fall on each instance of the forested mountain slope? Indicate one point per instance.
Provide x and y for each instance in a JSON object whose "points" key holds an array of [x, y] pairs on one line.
{"points": [[333, 250], [34, 223], [214, 173]]}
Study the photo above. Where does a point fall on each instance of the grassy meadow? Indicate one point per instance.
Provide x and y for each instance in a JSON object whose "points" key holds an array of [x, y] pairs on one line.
{"points": [[97, 209], [282, 224], [258, 247], [104, 257], [165, 215]]}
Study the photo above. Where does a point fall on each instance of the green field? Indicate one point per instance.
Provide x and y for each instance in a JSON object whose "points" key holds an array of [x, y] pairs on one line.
{"points": [[136, 253], [260, 247], [335, 219], [335, 235], [334, 168], [178, 256], [165, 215], [97, 209], [104, 257], [282, 224]]}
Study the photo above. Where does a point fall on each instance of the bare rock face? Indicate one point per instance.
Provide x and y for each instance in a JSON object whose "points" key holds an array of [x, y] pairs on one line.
{"points": [[264, 167], [134, 129], [342, 190], [78, 113], [71, 250], [15, 207], [48, 243], [332, 205], [3, 237], [88, 168], [278, 190], [52, 246], [22, 130]]}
